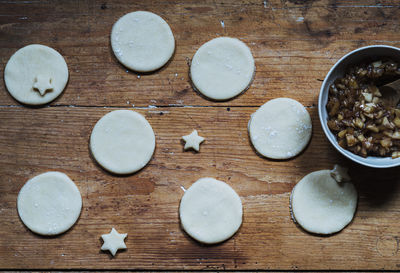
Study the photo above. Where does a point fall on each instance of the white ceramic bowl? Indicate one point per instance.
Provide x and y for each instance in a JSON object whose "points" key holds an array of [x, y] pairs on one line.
{"points": [[338, 70]]}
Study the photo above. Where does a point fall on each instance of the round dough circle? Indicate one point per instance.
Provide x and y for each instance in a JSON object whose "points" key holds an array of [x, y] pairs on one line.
{"points": [[210, 211], [26, 65], [50, 203], [222, 68], [280, 129], [321, 205], [142, 41], [122, 141]]}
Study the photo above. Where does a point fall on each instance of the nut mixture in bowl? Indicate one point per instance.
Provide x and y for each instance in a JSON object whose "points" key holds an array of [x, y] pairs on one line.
{"points": [[357, 114]]}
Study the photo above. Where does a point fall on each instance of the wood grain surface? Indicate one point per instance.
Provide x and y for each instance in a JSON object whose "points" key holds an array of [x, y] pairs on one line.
{"points": [[294, 44]]}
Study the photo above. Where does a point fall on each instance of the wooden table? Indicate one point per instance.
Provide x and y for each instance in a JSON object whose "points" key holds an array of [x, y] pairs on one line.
{"points": [[294, 44]]}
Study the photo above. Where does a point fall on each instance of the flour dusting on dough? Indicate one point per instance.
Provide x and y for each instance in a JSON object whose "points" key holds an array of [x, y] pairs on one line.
{"points": [[280, 129], [142, 41]]}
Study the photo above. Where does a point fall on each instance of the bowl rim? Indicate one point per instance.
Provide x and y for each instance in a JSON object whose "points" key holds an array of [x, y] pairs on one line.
{"points": [[356, 158]]}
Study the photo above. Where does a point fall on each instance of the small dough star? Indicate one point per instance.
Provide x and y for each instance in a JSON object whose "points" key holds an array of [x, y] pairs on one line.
{"points": [[113, 241], [193, 141], [42, 84], [340, 173]]}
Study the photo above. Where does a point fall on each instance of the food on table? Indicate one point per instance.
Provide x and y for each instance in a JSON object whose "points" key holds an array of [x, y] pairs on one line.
{"points": [[222, 68], [280, 129], [210, 211], [142, 41], [193, 141], [36, 74], [49, 203], [320, 204], [113, 241], [357, 114], [122, 142], [340, 174]]}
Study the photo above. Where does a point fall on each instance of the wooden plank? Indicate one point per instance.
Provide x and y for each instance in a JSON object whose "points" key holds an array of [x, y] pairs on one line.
{"points": [[145, 205], [294, 44]]}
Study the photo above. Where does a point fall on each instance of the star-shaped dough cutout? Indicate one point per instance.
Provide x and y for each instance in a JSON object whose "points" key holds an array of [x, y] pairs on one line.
{"points": [[113, 241], [42, 84], [193, 141], [340, 173]]}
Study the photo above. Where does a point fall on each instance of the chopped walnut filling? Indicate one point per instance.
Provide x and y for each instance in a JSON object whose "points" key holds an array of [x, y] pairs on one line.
{"points": [[357, 115]]}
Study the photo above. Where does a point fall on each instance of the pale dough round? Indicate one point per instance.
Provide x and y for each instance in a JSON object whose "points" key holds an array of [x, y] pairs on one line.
{"points": [[31, 63], [222, 68], [142, 41], [322, 205], [210, 211], [49, 204], [122, 141], [280, 129]]}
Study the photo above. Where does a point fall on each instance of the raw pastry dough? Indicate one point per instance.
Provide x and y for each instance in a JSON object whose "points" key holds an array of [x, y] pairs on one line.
{"points": [[36, 74], [222, 68], [210, 211], [340, 174], [122, 141], [280, 129], [113, 241], [49, 204], [142, 41], [322, 205], [193, 141]]}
